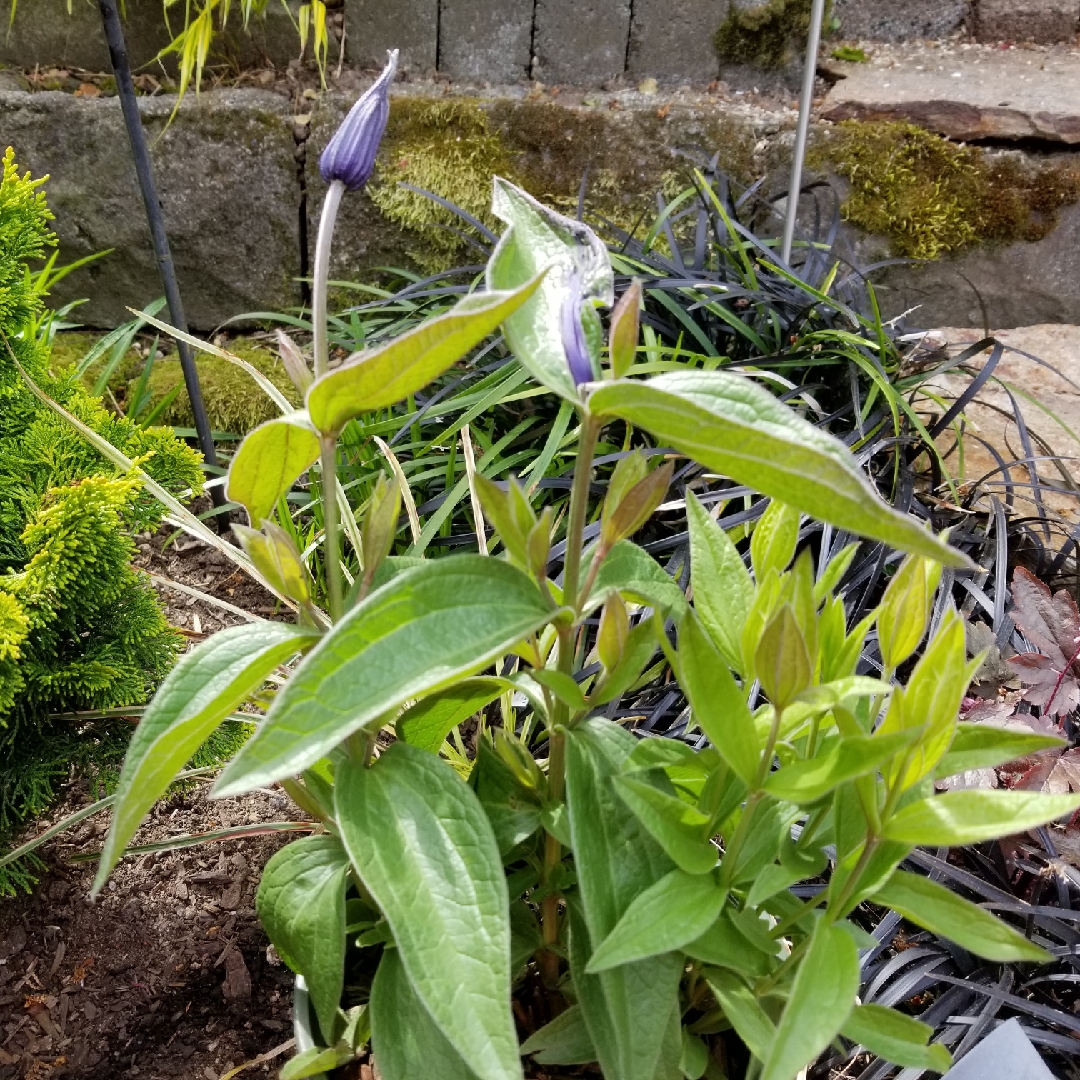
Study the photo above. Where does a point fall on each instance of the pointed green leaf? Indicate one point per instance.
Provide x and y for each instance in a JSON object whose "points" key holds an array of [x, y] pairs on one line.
{"points": [[935, 907], [675, 825], [406, 1041], [301, 904], [677, 909], [716, 702], [427, 723], [633, 572], [773, 541], [982, 746], [627, 1008], [206, 685], [421, 843], [821, 1000], [725, 945], [896, 1037], [390, 373], [747, 1017], [970, 817], [723, 588], [269, 461], [512, 809], [730, 424], [807, 781], [539, 238], [424, 630], [565, 1041]]}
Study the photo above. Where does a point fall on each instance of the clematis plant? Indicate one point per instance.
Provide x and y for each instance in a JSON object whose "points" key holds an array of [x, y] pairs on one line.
{"points": [[636, 895]]}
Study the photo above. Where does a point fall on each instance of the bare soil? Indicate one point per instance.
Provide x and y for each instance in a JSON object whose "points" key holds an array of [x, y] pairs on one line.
{"points": [[168, 974]]}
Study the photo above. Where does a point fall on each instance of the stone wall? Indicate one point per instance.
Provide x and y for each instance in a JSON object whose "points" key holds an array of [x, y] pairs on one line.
{"points": [[567, 42]]}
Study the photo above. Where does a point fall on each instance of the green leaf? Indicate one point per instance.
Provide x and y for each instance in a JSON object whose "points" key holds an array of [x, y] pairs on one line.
{"points": [[405, 1039], [723, 588], [390, 373], [970, 817], [268, 462], [747, 1017], [694, 1059], [931, 701], [421, 632], [821, 1000], [726, 946], [538, 238], [512, 809], [627, 1008], [677, 909], [982, 746], [895, 1037], [421, 843], [935, 907], [837, 568], [782, 658], [565, 1041], [807, 781], [905, 610], [563, 686], [773, 541], [301, 904], [675, 825], [731, 425], [315, 1061], [206, 685], [427, 723], [633, 572], [716, 702]]}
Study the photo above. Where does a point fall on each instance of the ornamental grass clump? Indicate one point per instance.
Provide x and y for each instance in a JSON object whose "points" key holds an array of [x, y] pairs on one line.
{"points": [[78, 628], [629, 903]]}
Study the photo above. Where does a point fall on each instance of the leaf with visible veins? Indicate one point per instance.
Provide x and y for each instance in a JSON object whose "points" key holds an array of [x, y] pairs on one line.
{"points": [[1051, 622]]}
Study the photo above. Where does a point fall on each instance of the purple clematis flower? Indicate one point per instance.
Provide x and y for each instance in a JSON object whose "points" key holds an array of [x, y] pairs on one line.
{"points": [[578, 359], [350, 155]]}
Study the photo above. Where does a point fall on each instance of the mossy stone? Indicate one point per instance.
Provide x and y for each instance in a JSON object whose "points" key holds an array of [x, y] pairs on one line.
{"points": [[931, 197]]}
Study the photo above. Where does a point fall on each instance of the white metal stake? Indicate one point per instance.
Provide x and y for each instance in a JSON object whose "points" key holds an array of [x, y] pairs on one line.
{"points": [[817, 17]]}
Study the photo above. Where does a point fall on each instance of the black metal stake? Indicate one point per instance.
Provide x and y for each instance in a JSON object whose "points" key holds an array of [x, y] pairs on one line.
{"points": [[114, 36]]}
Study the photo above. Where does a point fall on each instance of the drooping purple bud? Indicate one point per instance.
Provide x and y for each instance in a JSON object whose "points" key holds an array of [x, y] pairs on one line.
{"points": [[350, 155], [573, 334]]}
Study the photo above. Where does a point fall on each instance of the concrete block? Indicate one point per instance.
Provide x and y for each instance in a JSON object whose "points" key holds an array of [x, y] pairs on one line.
{"points": [[45, 35], [481, 40], [226, 176], [374, 26], [1042, 21], [580, 42], [886, 20], [672, 40]]}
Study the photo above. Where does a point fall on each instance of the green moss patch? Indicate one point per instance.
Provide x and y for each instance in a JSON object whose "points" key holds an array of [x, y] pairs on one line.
{"points": [[768, 35], [932, 197]]}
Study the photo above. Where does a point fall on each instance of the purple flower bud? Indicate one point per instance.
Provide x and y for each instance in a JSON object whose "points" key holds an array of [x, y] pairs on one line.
{"points": [[574, 342], [350, 155]]}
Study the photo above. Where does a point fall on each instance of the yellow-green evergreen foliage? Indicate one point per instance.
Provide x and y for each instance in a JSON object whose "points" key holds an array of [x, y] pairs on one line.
{"points": [[79, 629]]}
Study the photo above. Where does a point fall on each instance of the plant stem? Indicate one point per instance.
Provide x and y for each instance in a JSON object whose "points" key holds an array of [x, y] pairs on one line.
{"points": [[328, 445], [332, 543], [579, 503], [556, 771], [322, 274]]}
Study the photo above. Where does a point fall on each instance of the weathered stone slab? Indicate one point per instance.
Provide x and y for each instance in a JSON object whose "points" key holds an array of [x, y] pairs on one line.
{"points": [[887, 20], [1042, 21], [411, 26], [479, 40], [581, 42], [967, 93], [672, 40], [45, 35], [1001, 286], [226, 176], [1051, 386]]}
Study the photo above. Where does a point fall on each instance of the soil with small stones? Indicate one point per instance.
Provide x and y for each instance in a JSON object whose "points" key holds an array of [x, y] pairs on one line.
{"points": [[168, 974]]}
